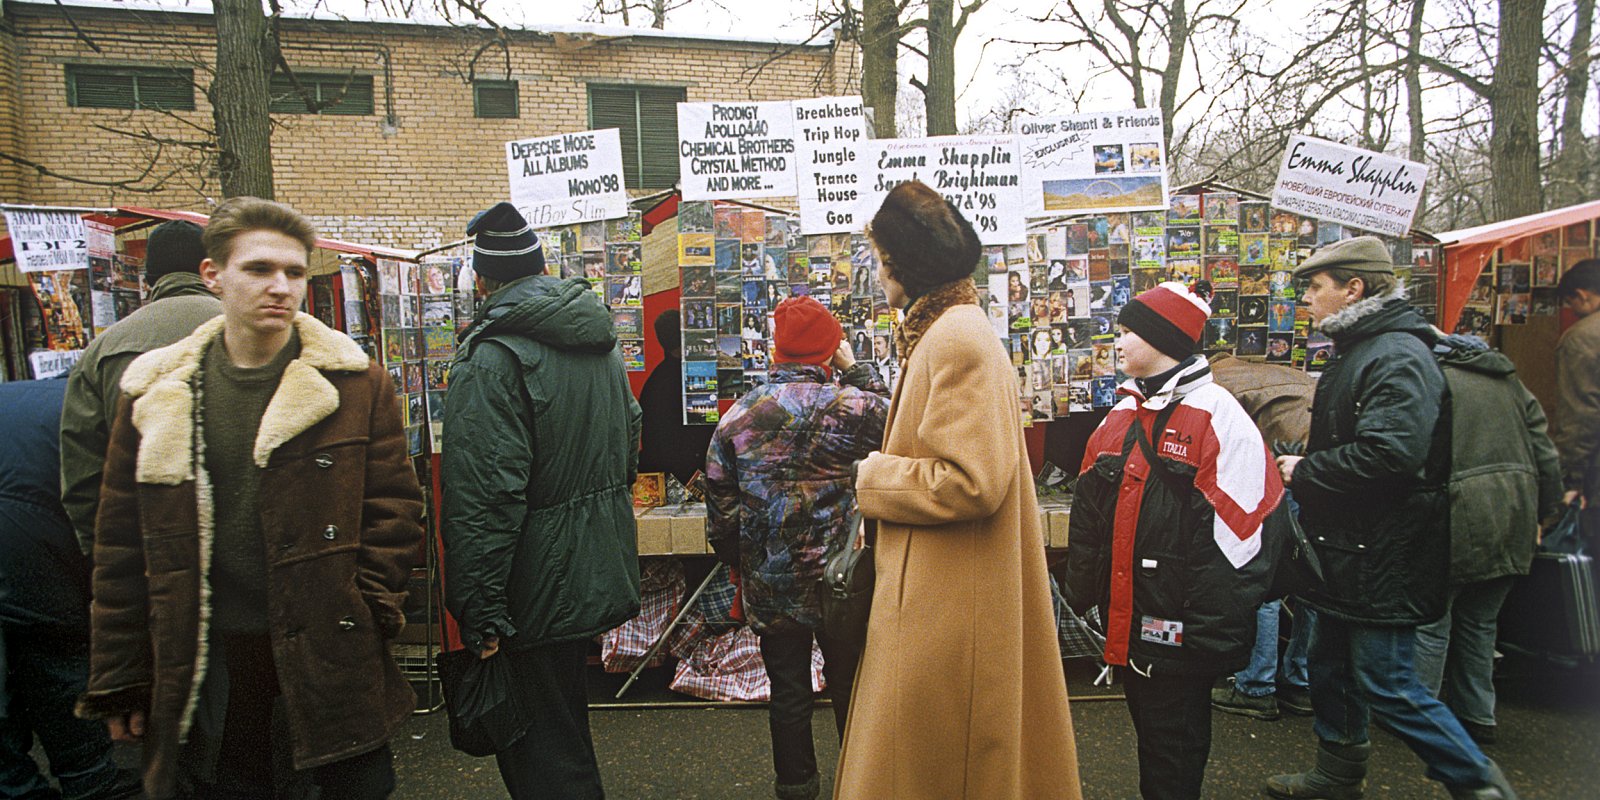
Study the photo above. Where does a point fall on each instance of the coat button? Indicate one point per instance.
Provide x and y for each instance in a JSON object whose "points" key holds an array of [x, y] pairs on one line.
{"points": [[347, 624], [330, 532], [291, 634], [324, 460]]}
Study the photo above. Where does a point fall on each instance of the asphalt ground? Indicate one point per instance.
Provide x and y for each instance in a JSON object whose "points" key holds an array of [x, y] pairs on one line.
{"points": [[659, 744]]}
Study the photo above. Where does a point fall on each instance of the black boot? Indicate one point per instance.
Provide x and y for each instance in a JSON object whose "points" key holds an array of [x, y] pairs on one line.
{"points": [[1498, 788], [798, 791], [1340, 774]]}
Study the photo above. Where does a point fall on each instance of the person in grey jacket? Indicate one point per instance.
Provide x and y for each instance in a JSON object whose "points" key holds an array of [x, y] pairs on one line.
{"points": [[1504, 478], [179, 301], [1577, 434], [540, 550]]}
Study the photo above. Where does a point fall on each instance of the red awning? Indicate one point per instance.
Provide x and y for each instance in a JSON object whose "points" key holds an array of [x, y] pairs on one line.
{"points": [[1468, 251]]}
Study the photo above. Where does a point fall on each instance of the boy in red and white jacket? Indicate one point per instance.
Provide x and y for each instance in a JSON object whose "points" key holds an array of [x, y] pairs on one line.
{"points": [[1175, 524]]}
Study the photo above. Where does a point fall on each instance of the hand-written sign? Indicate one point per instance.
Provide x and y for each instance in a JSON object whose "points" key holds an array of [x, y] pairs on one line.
{"points": [[979, 175], [48, 240], [52, 363], [730, 151], [567, 179], [1350, 186], [1096, 163], [828, 175]]}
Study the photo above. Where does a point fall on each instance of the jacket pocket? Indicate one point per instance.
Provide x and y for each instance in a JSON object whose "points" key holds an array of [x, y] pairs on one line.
{"points": [[170, 551]]}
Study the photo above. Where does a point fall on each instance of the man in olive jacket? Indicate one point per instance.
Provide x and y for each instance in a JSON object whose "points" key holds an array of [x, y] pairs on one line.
{"points": [[541, 448], [1577, 434], [179, 301], [1505, 476], [1372, 495]]}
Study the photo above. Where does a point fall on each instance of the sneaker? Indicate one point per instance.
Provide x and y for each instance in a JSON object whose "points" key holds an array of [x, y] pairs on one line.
{"points": [[1230, 700], [1294, 700]]}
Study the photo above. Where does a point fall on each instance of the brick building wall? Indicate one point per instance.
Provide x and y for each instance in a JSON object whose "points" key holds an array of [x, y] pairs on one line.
{"points": [[10, 114], [412, 173]]}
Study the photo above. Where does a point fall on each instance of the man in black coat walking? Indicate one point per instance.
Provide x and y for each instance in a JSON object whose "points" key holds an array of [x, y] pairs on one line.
{"points": [[1372, 492], [44, 614]]}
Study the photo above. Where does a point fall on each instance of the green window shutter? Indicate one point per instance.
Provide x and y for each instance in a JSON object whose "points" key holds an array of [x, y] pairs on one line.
{"points": [[130, 87], [617, 107], [353, 94], [658, 137], [495, 99]]}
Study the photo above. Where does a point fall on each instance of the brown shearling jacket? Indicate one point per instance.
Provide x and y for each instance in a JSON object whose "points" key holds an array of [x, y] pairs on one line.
{"points": [[340, 509]]}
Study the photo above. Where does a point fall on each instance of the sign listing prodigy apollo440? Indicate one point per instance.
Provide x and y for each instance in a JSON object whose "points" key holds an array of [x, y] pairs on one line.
{"points": [[1350, 186], [568, 178], [732, 151]]}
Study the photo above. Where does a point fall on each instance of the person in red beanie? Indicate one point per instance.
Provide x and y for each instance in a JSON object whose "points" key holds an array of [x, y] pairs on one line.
{"points": [[778, 495], [1176, 521]]}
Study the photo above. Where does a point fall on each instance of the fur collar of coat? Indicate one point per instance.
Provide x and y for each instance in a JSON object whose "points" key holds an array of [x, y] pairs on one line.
{"points": [[1342, 320], [165, 407], [927, 309]]}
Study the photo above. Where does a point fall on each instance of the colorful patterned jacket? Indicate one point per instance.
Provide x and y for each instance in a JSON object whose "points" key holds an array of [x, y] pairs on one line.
{"points": [[779, 487]]}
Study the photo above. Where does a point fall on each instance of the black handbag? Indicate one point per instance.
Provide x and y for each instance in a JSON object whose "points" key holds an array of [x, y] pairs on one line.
{"points": [[844, 592], [483, 699]]}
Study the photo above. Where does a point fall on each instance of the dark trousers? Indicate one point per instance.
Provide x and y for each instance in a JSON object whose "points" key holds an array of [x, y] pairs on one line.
{"points": [[555, 760], [1172, 719], [41, 675], [245, 760], [788, 661]]}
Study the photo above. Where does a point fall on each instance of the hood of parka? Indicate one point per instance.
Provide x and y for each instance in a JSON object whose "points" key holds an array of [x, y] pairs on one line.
{"points": [[563, 314]]}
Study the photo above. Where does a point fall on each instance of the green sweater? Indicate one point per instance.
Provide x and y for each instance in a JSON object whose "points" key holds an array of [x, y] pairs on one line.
{"points": [[233, 399]]}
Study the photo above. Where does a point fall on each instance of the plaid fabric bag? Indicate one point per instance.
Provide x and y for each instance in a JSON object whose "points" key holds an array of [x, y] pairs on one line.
{"points": [[716, 602], [1078, 638], [729, 668], [661, 592]]}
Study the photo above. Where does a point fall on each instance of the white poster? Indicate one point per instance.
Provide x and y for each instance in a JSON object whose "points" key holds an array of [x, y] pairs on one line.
{"points": [[1093, 163], [827, 174], [101, 238], [731, 151], [1350, 186], [567, 179], [980, 175], [48, 364], [48, 240]]}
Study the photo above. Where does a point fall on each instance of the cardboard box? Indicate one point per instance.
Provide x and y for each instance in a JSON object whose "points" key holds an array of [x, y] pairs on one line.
{"points": [[689, 532], [655, 532], [1059, 520]]}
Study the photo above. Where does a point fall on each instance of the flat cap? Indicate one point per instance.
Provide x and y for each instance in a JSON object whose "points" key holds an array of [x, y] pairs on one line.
{"points": [[1361, 254]]}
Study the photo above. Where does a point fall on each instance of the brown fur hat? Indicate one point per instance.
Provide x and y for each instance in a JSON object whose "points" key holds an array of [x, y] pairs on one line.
{"points": [[924, 239]]}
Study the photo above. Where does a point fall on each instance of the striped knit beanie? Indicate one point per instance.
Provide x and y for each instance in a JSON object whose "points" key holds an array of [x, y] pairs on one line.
{"points": [[1169, 317], [504, 247]]}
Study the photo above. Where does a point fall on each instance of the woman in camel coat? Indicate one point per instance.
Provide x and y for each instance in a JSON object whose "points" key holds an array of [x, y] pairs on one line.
{"points": [[960, 692]]}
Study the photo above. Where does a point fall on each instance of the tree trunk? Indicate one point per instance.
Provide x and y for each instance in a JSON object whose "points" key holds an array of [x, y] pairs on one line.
{"points": [[239, 98], [658, 11], [1513, 110], [1418, 151], [940, 96], [1177, 45], [1571, 171], [880, 80]]}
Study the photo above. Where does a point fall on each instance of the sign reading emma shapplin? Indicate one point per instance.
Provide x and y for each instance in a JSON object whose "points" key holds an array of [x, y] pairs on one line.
{"points": [[731, 151], [567, 179], [1093, 163], [1352, 187]]}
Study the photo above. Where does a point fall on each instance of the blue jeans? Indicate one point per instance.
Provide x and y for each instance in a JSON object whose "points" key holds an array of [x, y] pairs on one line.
{"points": [[1357, 669], [44, 672], [1262, 676], [1457, 652]]}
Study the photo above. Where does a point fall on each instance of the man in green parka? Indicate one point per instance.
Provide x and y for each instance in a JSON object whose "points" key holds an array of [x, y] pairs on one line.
{"points": [[179, 301], [541, 446]]}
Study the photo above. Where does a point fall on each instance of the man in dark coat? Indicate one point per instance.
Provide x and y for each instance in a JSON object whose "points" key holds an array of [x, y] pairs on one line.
{"points": [[44, 614], [666, 443], [1505, 477], [541, 553], [179, 301], [1372, 493], [258, 523]]}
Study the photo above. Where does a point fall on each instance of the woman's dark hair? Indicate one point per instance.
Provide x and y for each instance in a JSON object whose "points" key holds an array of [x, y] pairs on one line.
{"points": [[1583, 275], [924, 240]]}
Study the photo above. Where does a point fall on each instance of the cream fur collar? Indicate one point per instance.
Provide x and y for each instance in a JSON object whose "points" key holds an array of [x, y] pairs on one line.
{"points": [[1342, 319], [162, 383]]}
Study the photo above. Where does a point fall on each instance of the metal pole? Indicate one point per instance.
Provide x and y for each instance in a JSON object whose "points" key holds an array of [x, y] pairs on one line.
{"points": [[656, 648]]}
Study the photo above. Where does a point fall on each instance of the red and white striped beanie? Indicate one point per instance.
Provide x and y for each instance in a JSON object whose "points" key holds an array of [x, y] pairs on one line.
{"points": [[1169, 317]]}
